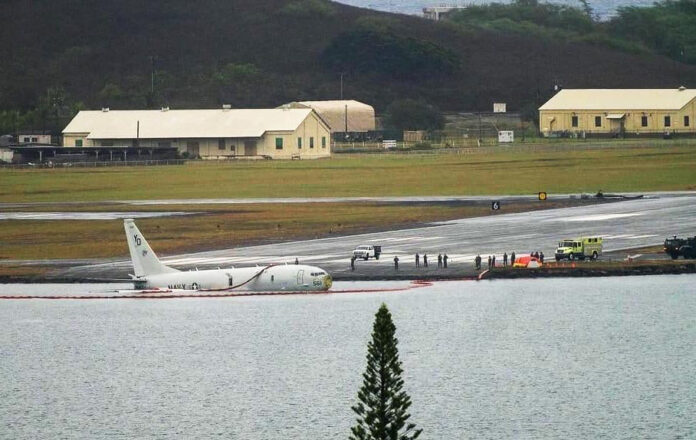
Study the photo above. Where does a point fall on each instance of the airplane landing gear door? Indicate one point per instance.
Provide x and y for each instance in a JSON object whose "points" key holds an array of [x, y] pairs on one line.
{"points": [[300, 277]]}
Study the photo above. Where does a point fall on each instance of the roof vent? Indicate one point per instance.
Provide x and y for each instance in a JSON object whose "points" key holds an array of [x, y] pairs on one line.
{"points": [[165, 109], [105, 109], [226, 107], [682, 88]]}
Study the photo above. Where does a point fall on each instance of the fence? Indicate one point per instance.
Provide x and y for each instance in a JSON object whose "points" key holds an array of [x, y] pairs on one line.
{"points": [[129, 163], [535, 145]]}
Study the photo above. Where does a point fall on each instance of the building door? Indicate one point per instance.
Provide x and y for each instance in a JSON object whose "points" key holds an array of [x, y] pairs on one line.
{"points": [[300, 277], [250, 148], [192, 149]]}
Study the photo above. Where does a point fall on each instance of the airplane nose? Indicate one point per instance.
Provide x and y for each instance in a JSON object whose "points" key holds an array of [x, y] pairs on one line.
{"points": [[327, 282]]}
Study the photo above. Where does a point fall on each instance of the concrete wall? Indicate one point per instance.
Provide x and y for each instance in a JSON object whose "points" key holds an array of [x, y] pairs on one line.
{"points": [[557, 121], [70, 140], [311, 128], [34, 138]]}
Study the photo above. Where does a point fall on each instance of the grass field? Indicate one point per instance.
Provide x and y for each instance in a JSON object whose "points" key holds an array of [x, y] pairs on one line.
{"points": [[222, 226], [494, 171]]}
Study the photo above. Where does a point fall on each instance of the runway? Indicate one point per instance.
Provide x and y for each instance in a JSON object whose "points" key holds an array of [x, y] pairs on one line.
{"points": [[624, 225]]}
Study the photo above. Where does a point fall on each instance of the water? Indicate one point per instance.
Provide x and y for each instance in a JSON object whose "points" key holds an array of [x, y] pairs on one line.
{"points": [[603, 8], [527, 359]]}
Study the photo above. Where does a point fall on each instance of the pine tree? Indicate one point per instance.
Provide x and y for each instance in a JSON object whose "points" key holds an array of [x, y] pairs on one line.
{"points": [[383, 407]]}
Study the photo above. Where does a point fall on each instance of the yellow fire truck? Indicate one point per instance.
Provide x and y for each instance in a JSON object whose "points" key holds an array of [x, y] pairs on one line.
{"points": [[580, 248]]}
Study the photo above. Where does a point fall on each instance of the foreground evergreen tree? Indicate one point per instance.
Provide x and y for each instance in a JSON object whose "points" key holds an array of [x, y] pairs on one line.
{"points": [[383, 407]]}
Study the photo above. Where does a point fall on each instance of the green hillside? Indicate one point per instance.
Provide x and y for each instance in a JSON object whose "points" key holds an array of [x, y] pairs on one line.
{"points": [[60, 55]]}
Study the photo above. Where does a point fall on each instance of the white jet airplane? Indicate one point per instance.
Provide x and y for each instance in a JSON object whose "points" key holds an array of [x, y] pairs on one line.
{"points": [[151, 274]]}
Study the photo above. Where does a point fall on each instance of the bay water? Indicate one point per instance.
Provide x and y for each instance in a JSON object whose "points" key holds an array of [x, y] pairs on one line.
{"points": [[528, 359]]}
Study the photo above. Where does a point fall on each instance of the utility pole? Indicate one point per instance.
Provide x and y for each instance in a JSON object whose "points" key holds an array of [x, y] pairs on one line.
{"points": [[152, 75], [153, 58], [342, 85]]}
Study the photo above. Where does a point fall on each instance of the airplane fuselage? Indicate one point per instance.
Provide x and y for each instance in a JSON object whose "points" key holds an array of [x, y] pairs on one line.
{"points": [[289, 277]]}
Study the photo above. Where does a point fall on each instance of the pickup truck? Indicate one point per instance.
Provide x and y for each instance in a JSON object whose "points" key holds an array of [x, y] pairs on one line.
{"points": [[366, 251]]}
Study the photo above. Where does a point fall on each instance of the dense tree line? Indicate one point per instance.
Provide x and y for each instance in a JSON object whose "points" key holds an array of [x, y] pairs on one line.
{"points": [[264, 53], [666, 28]]}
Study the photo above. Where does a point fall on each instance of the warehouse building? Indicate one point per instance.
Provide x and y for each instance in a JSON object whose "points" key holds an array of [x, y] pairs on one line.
{"points": [[618, 112], [210, 134], [342, 116]]}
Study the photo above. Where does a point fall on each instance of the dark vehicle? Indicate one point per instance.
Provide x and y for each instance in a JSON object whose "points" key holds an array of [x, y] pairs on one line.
{"points": [[686, 247]]}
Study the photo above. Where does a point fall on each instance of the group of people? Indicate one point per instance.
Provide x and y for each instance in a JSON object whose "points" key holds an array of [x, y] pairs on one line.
{"points": [[441, 260], [491, 259]]}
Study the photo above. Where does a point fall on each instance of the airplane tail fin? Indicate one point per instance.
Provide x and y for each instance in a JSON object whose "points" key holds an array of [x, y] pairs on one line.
{"points": [[145, 261]]}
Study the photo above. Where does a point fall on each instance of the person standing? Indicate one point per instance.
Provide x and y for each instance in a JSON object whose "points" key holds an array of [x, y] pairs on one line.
{"points": [[425, 260], [493, 260], [352, 263], [396, 262], [417, 260], [541, 256], [439, 261], [444, 261], [489, 261], [512, 259], [477, 262], [505, 259], [297, 261]]}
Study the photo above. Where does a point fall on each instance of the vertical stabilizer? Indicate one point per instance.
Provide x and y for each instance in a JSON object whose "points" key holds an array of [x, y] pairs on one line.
{"points": [[145, 262]]}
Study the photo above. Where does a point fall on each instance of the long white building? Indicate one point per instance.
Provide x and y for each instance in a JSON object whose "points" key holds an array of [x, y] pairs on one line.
{"points": [[282, 133]]}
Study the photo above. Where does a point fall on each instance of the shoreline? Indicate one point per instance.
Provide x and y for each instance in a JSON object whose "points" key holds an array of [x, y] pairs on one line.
{"points": [[645, 267]]}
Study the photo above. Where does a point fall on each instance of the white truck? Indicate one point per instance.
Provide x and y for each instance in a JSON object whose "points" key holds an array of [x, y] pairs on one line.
{"points": [[367, 251]]}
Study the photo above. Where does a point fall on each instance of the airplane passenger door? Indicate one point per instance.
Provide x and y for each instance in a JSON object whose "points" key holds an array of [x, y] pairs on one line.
{"points": [[300, 277]]}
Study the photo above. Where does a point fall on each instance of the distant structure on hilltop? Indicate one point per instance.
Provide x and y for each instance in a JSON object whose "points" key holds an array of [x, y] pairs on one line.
{"points": [[619, 112], [438, 12]]}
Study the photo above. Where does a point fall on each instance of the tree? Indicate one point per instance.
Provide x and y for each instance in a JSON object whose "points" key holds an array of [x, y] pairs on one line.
{"points": [[409, 114], [382, 407]]}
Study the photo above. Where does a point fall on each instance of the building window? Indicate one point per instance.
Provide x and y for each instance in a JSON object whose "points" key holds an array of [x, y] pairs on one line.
{"points": [[668, 121], [34, 139], [221, 144], [78, 142], [107, 143], [574, 121], [323, 142], [279, 143], [643, 121], [597, 121], [299, 143], [311, 142], [26, 140], [232, 148], [164, 144], [686, 121]]}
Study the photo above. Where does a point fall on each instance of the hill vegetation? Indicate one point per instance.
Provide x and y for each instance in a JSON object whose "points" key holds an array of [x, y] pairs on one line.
{"points": [[62, 55], [665, 28]]}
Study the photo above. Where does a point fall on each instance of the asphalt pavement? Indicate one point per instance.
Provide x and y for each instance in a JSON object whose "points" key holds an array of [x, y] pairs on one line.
{"points": [[624, 225]]}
